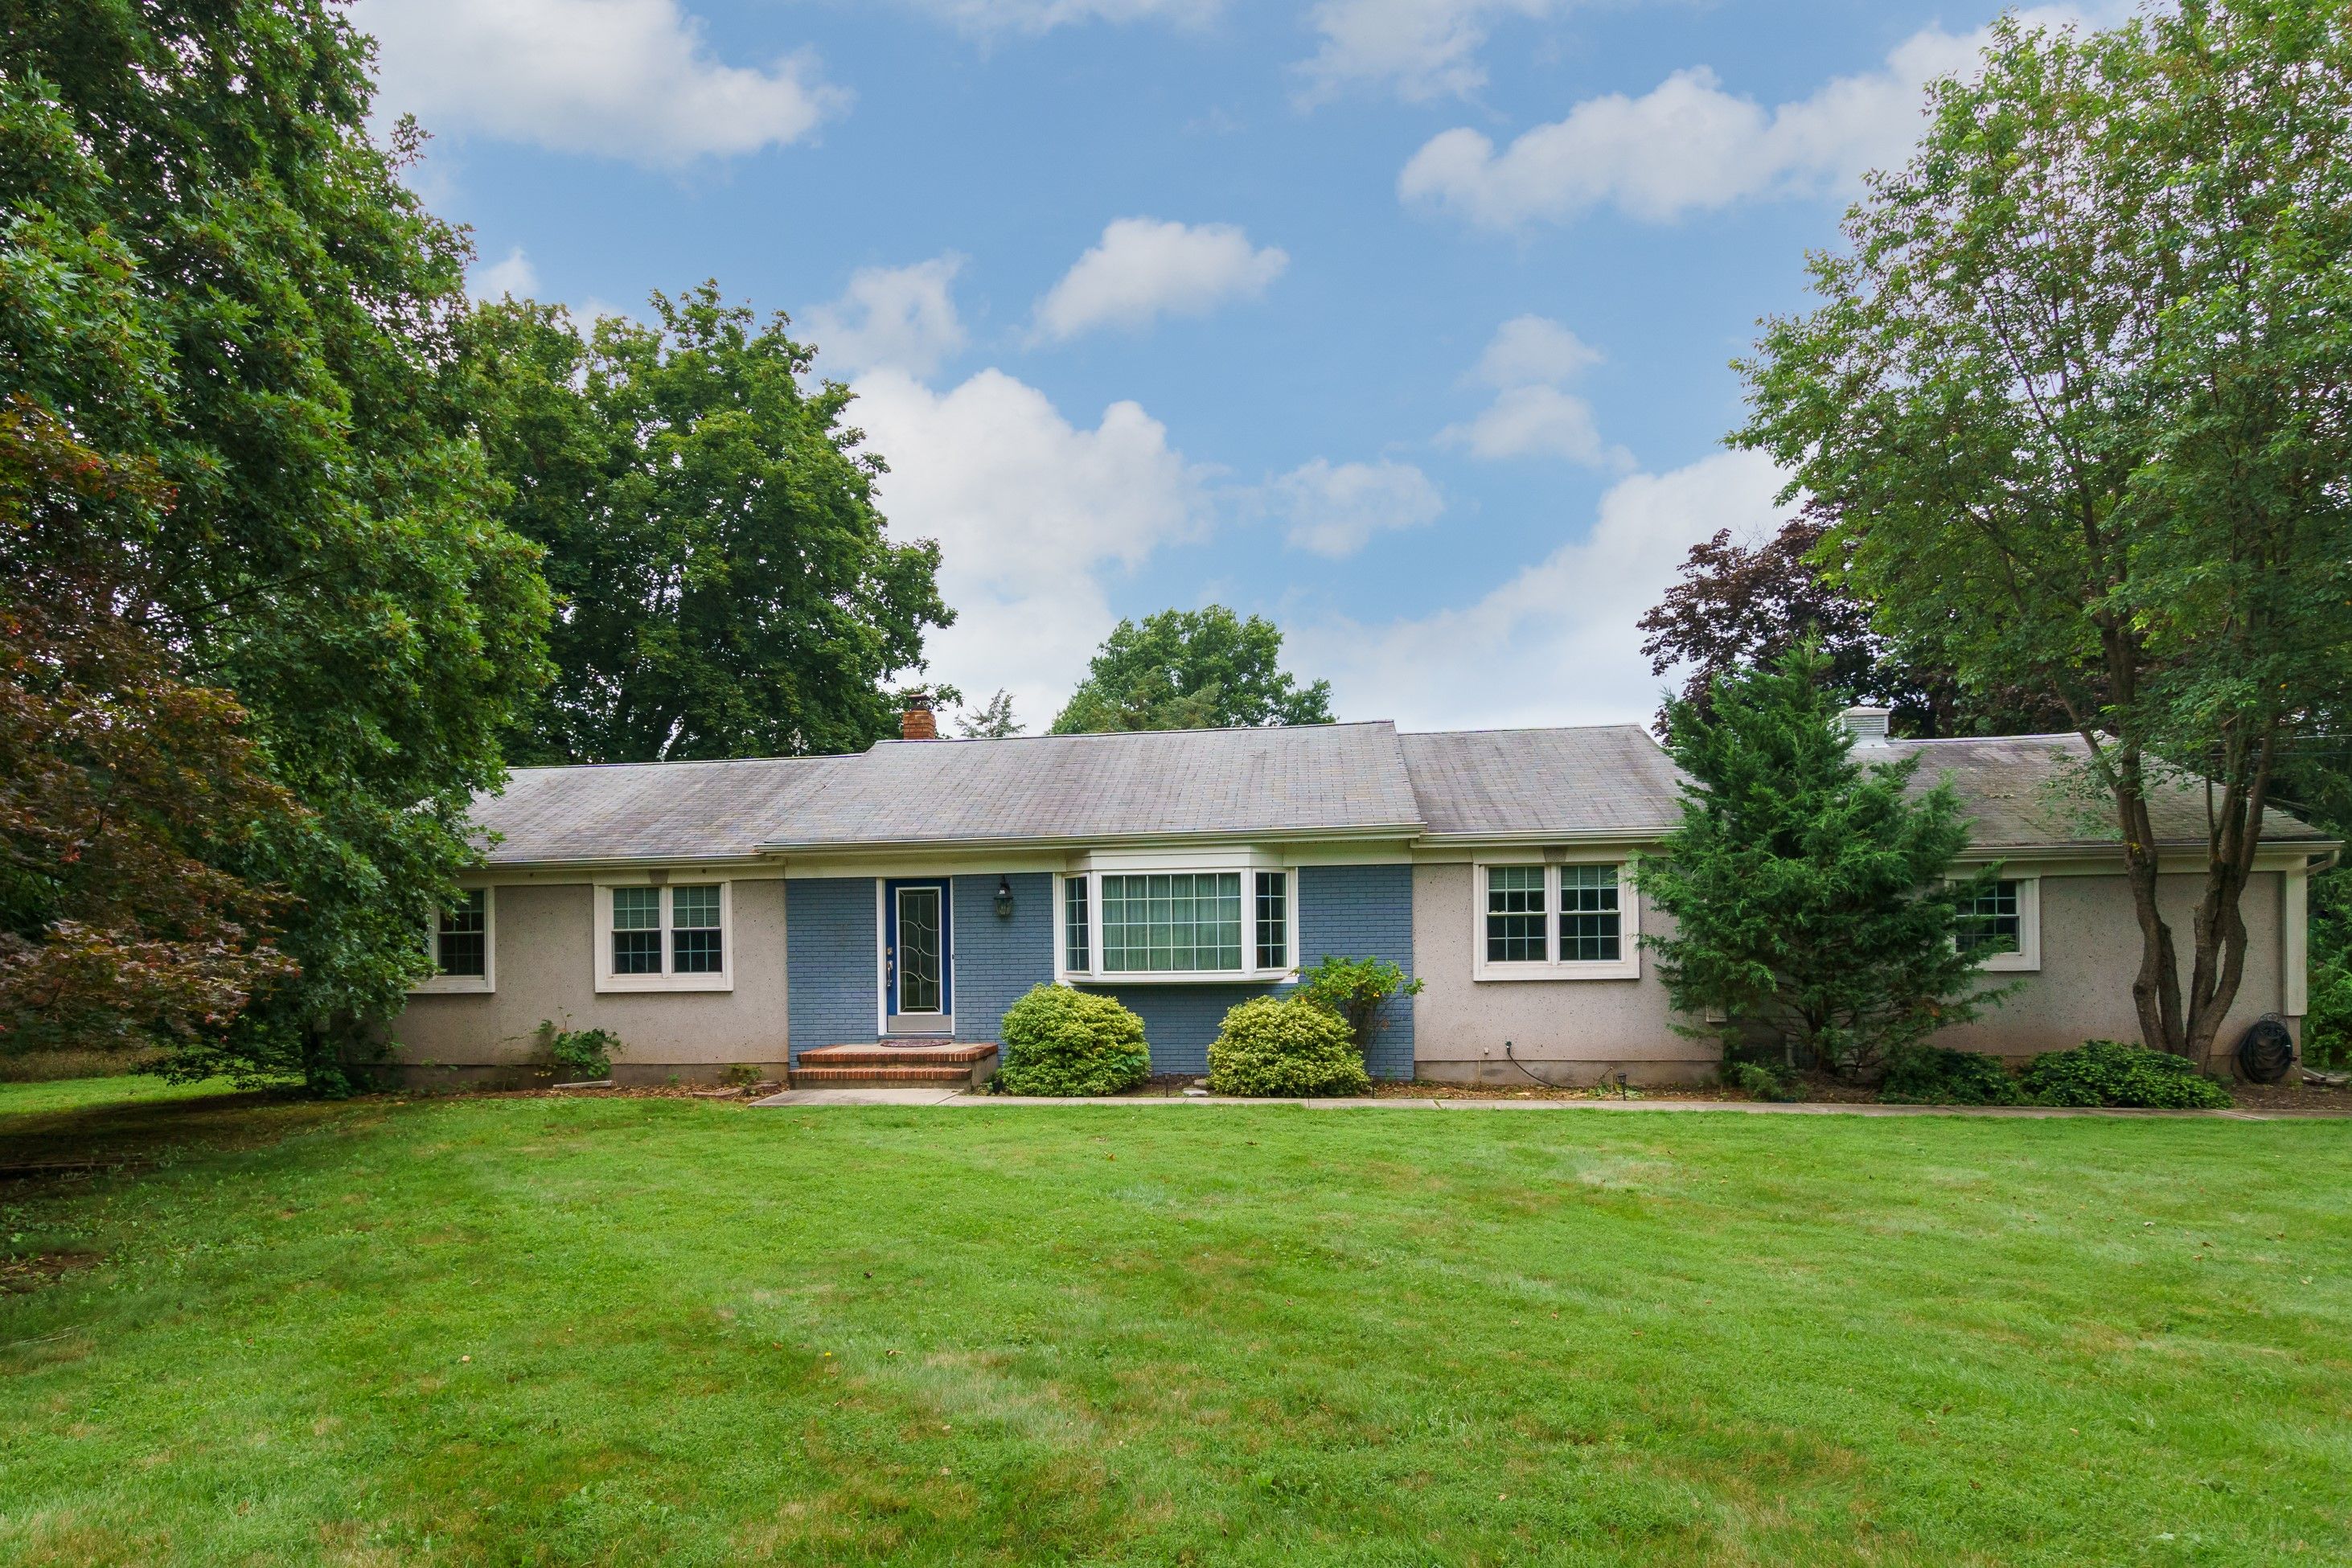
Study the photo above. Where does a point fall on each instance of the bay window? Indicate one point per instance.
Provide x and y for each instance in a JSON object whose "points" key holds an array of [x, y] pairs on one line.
{"points": [[1176, 925]]}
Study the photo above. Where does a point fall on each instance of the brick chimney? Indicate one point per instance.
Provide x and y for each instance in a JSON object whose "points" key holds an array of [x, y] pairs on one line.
{"points": [[918, 722]]}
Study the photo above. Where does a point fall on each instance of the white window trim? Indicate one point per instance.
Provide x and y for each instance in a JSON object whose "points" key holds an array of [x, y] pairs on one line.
{"points": [[1248, 974], [1626, 966], [438, 985], [607, 980], [2027, 959]]}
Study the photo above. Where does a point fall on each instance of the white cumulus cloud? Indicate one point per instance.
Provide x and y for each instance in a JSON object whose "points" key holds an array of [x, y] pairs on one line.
{"points": [[901, 317], [1033, 514], [514, 276], [1143, 268], [1333, 511], [1420, 49], [1532, 415], [1688, 146], [1556, 644], [624, 78]]}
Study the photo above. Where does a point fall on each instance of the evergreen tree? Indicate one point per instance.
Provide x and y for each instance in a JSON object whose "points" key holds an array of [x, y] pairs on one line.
{"points": [[1811, 895]]}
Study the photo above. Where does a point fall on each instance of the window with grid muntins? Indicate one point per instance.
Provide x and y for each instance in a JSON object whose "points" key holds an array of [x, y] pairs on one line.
{"points": [[1273, 919], [1075, 955], [636, 930], [1515, 914], [1989, 923], [1589, 930], [463, 944], [694, 937], [1171, 923]]}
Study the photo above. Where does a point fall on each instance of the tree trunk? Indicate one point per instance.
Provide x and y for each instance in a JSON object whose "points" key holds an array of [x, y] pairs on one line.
{"points": [[2233, 832]]}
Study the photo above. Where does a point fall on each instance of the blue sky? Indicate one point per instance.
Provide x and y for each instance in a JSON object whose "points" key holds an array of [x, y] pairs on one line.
{"points": [[1405, 323]]}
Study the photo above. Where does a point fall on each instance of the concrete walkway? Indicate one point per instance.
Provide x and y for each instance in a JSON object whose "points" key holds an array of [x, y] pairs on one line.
{"points": [[963, 1097]]}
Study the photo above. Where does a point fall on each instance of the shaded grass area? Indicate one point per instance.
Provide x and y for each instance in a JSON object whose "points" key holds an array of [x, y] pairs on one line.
{"points": [[534, 1331]]}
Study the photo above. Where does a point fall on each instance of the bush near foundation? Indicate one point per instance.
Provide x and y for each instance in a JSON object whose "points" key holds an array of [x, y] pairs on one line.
{"points": [[579, 1054], [1932, 1075], [1060, 1041], [1287, 1047], [2106, 1072]]}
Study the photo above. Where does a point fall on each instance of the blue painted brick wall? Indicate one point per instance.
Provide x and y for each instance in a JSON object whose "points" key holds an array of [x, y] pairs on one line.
{"points": [[1179, 1020], [998, 960], [1364, 911], [832, 979], [1350, 911]]}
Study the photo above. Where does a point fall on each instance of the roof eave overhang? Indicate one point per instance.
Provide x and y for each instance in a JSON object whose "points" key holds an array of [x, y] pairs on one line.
{"points": [[1386, 832]]}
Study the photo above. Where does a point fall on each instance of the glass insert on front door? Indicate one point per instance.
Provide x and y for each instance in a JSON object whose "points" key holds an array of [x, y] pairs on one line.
{"points": [[919, 949]]}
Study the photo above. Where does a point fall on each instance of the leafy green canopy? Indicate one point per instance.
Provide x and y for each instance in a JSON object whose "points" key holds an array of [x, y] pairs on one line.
{"points": [[328, 554], [2077, 396], [123, 786], [1812, 897], [724, 583], [1191, 669]]}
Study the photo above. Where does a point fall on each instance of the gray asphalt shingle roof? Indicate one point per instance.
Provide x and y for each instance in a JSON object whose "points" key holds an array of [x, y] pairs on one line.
{"points": [[1308, 778], [650, 811], [1596, 780], [2033, 792], [1599, 781]]}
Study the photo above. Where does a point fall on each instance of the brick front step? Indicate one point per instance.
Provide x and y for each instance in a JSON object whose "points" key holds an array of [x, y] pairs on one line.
{"points": [[889, 1053], [823, 1078], [887, 1063]]}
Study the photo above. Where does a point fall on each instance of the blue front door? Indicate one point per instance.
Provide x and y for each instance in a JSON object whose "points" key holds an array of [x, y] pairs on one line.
{"points": [[917, 958]]}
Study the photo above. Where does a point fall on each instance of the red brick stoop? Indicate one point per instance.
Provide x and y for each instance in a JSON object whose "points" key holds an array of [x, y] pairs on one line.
{"points": [[891, 1062]]}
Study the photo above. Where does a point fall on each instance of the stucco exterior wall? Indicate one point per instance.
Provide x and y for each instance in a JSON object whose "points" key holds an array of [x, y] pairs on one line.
{"points": [[1572, 1031], [2089, 951], [545, 961], [1567, 1031]]}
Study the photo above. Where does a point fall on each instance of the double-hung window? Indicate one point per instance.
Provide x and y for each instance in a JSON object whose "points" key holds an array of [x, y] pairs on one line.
{"points": [[1176, 925], [2000, 924], [458, 941], [671, 938], [1539, 922]]}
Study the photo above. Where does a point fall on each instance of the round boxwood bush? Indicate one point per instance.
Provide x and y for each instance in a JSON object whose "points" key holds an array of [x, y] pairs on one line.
{"points": [[1287, 1047], [1059, 1041], [2104, 1072], [1931, 1075]]}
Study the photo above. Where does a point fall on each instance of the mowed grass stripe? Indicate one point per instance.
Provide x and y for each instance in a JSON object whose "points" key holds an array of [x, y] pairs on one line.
{"points": [[536, 1330]]}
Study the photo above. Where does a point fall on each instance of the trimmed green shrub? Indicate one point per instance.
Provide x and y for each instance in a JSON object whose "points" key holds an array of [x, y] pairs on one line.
{"points": [[580, 1055], [1286, 1046], [1061, 1041], [1358, 989], [1931, 1075], [2107, 1072], [1763, 1081]]}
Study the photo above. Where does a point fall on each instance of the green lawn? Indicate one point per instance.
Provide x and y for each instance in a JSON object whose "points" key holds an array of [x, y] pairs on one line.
{"points": [[534, 1330]]}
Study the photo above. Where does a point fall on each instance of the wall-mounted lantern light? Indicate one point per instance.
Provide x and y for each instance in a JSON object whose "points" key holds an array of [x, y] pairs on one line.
{"points": [[1004, 898]]}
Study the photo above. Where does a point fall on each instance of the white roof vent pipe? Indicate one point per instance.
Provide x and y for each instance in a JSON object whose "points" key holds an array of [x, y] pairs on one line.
{"points": [[1867, 724]]}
